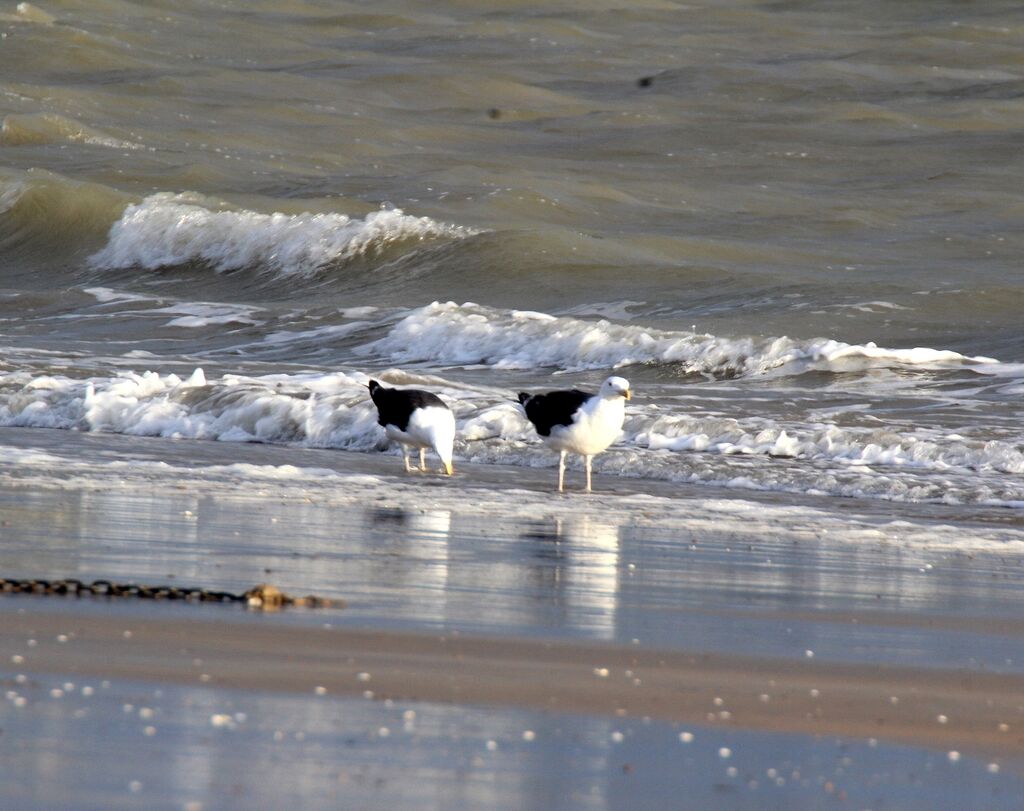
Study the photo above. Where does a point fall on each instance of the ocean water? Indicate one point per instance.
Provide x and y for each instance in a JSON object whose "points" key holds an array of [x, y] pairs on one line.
{"points": [[795, 227]]}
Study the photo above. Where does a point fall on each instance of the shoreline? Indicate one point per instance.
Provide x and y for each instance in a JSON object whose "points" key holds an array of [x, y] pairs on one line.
{"points": [[938, 709], [62, 459]]}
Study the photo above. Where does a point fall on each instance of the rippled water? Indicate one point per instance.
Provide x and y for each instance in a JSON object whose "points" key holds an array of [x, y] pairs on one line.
{"points": [[793, 226]]}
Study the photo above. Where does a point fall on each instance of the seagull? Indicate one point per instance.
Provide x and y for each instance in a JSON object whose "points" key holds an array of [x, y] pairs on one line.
{"points": [[417, 419], [578, 422]]}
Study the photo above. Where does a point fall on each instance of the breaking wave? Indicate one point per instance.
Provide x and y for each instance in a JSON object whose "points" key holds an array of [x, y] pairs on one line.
{"points": [[167, 230], [470, 334]]}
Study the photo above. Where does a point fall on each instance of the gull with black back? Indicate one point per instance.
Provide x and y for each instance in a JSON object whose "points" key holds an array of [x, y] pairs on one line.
{"points": [[415, 419], [574, 421]]}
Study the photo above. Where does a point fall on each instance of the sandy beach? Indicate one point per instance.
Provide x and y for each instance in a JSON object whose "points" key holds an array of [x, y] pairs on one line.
{"points": [[977, 713]]}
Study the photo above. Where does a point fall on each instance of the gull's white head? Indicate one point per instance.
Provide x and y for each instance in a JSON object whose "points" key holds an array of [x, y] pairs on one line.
{"points": [[615, 387]]}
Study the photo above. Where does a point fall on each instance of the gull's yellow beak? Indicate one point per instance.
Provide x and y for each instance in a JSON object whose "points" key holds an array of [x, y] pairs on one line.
{"points": [[448, 468], [626, 394]]}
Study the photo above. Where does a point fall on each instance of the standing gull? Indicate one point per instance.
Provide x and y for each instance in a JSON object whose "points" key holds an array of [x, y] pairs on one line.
{"points": [[417, 419], [577, 422]]}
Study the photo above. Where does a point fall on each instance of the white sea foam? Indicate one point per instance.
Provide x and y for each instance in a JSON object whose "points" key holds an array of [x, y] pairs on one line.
{"points": [[358, 312], [1014, 375], [319, 410], [333, 410], [320, 333], [203, 314], [468, 334], [880, 447], [165, 230], [107, 295]]}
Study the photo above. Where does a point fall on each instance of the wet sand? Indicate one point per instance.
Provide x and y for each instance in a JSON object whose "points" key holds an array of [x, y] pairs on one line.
{"points": [[978, 712], [843, 656]]}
